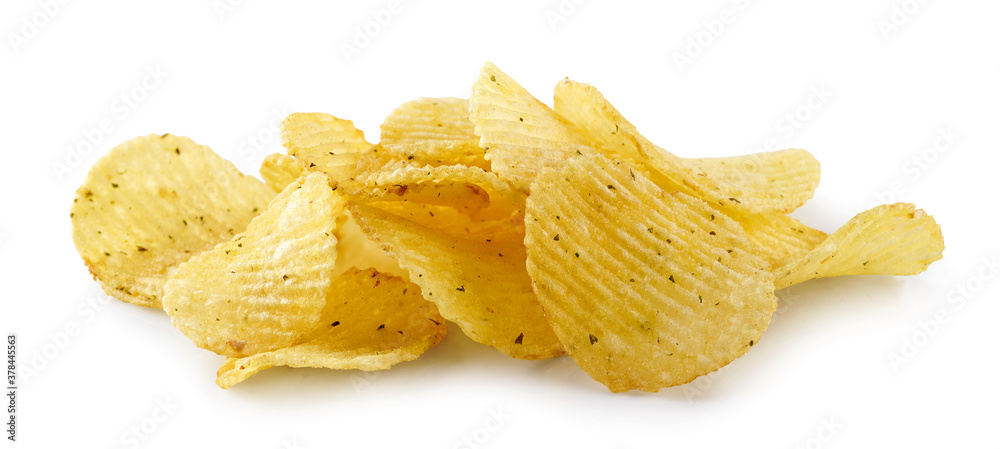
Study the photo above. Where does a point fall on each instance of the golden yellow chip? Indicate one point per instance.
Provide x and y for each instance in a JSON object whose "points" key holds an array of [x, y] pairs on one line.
{"points": [[371, 321], [477, 281], [519, 134], [895, 239], [152, 203], [781, 239], [324, 143], [280, 170], [758, 184], [470, 190], [261, 290], [646, 289]]}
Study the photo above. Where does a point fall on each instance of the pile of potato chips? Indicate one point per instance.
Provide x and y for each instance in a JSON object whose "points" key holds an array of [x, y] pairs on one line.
{"points": [[540, 231]]}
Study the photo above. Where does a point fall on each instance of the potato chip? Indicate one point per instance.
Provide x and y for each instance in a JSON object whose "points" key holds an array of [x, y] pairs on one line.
{"points": [[324, 143], [429, 120], [519, 134], [477, 281], [280, 170], [759, 184], [646, 289], [152, 203], [781, 239], [471, 190], [895, 239], [261, 290], [371, 321]]}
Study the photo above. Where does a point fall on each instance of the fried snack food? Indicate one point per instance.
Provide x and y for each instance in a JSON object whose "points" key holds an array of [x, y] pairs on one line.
{"points": [[197, 198]]}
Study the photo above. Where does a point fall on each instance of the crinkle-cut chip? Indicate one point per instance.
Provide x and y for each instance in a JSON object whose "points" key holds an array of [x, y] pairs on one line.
{"points": [[429, 119], [471, 190], [355, 249], [261, 290], [371, 321], [782, 239], [477, 281], [894, 239], [776, 186], [792, 170], [644, 287], [324, 143], [448, 219], [438, 153], [279, 170], [520, 134], [153, 202]]}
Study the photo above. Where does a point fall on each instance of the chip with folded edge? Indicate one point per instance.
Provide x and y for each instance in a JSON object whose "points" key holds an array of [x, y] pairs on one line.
{"points": [[371, 321], [324, 143], [894, 239], [646, 289], [477, 281], [199, 200], [261, 290]]}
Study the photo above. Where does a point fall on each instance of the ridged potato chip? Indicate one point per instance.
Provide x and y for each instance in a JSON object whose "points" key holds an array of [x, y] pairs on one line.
{"points": [[895, 239], [433, 131], [153, 202], [756, 184], [356, 250], [470, 190], [477, 281], [264, 288], [519, 134], [781, 239], [646, 289], [280, 170], [324, 143], [371, 321]]}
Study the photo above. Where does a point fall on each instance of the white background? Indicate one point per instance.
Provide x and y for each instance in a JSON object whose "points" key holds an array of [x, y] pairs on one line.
{"points": [[822, 375]]}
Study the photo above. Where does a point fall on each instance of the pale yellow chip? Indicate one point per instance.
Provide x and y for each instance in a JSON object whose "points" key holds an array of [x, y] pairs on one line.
{"points": [[429, 119], [324, 143], [477, 281], [264, 288], [471, 190], [519, 134], [371, 321], [280, 170], [895, 239], [152, 203], [646, 289], [764, 183]]}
